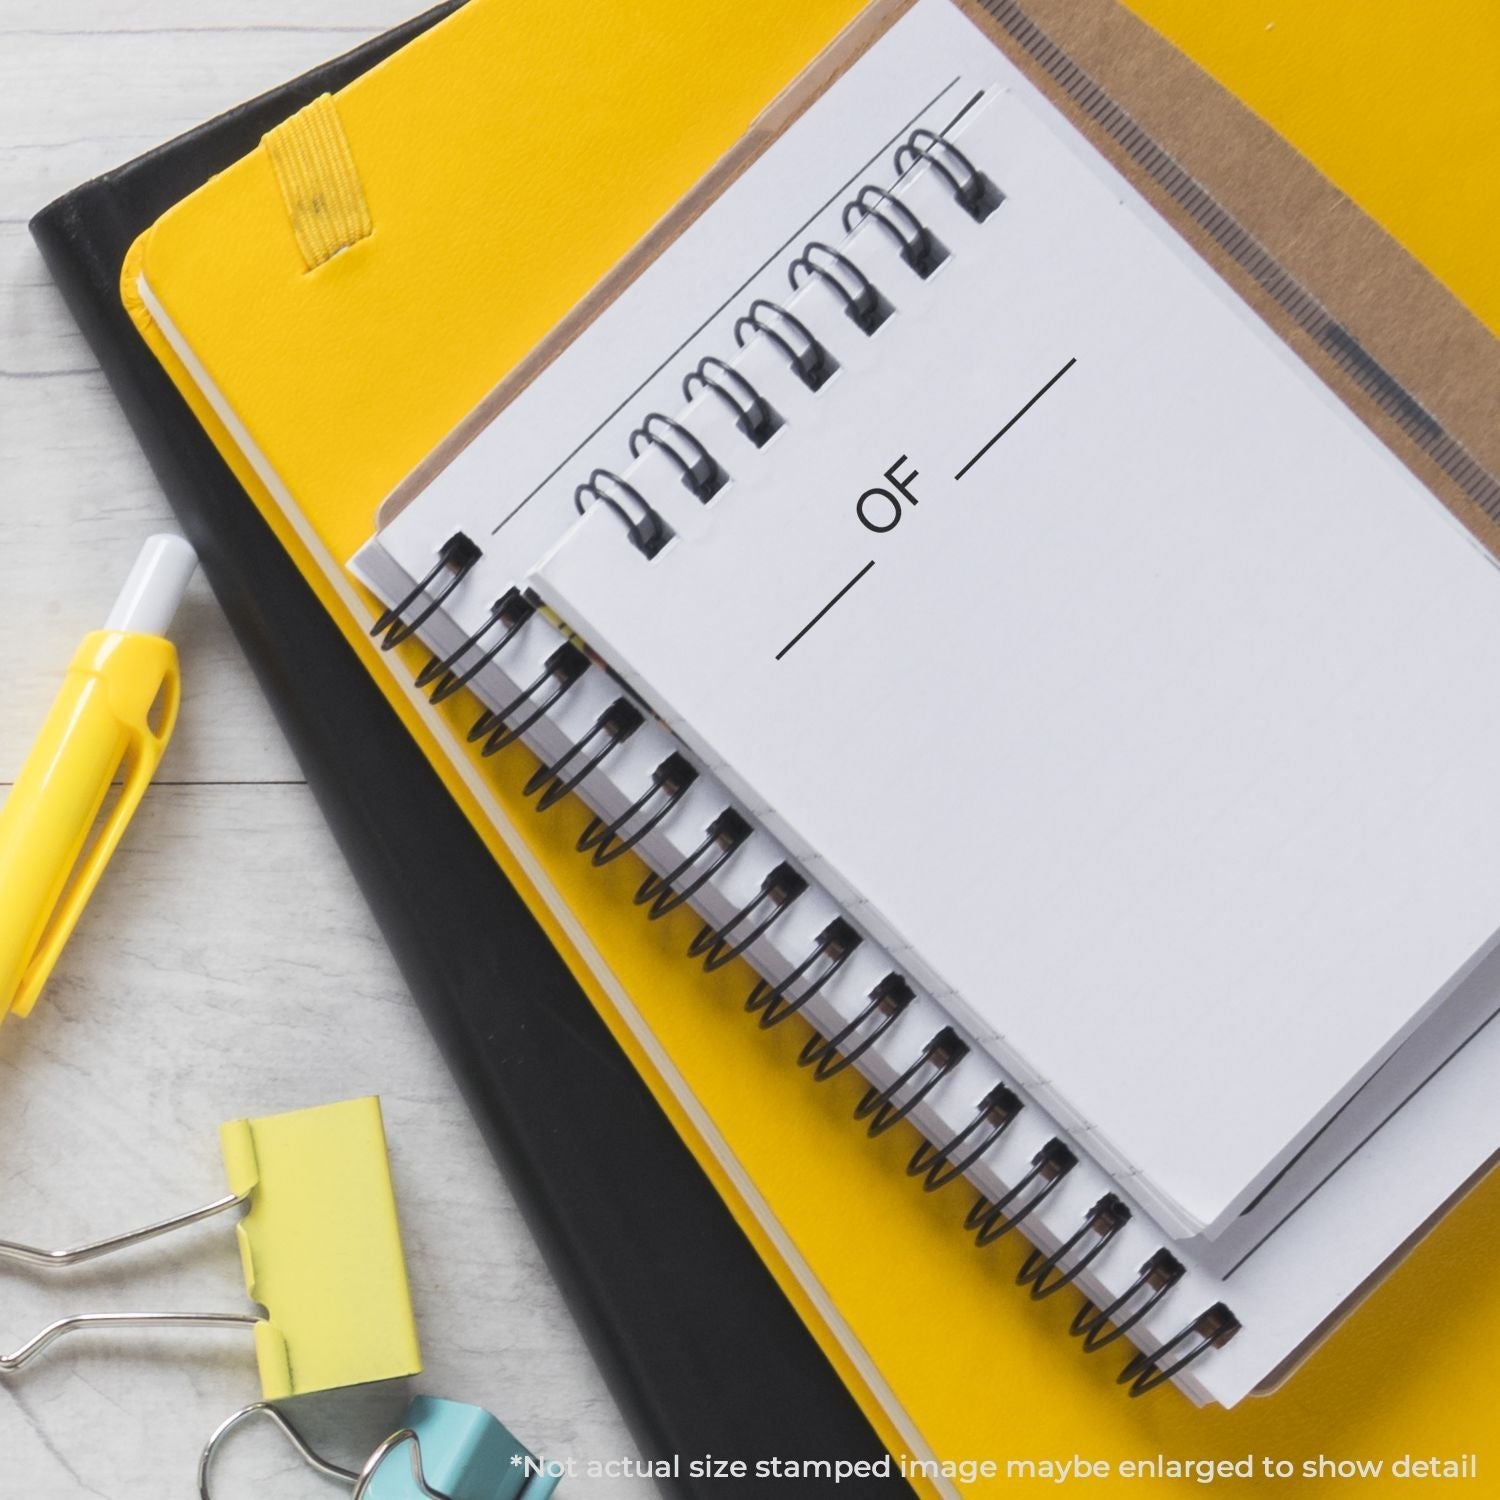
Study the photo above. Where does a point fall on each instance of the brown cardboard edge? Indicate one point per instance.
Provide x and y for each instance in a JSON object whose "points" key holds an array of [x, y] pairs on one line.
{"points": [[806, 88], [1439, 352]]}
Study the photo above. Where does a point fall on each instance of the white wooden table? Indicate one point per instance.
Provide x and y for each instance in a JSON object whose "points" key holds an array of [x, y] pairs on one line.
{"points": [[228, 965]]}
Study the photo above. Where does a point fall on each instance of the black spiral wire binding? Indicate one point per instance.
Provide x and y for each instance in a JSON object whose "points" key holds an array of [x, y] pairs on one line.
{"points": [[809, 359], [886, 1108], [700, 471], [560, 671], [722, 840], [812, 364], [918, 246], [752, 413], [829, 1056], [991, 1221], [647, 531], [455, 557], [774, 1002], [720, 945], [669, 783], [863, 304], [509, 613], [973, 191], [1046, 1274], [937, 1166], [586, 754], [1101, 1326], [1211, 1329]]}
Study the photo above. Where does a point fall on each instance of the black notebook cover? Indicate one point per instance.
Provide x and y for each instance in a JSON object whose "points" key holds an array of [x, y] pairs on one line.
{"points": [[703, 1350]]}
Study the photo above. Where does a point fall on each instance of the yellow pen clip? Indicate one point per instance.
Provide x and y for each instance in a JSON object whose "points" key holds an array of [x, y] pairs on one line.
{"points": [[101, 725]]}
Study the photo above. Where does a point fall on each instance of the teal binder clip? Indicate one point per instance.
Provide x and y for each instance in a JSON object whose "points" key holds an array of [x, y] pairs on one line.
{"points": [[444, 1450]]}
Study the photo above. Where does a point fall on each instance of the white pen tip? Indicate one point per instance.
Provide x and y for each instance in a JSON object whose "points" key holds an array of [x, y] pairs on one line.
{"points": [[155, 587]]}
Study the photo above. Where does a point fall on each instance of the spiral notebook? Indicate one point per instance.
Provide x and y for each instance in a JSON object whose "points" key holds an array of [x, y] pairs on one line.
{"points": [[750, 657], [1024, 660]]}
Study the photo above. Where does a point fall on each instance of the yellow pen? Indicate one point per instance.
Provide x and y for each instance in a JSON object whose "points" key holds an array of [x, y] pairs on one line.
{"points": [[113, 717]]}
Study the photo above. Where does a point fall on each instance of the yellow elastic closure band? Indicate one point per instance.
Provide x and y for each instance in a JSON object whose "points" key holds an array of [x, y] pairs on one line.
{"points": [[320, 186], [321, 1248]]}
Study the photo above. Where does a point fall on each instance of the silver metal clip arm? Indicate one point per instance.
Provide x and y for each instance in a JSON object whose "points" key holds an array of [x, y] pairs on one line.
{"points": [[32, 1256], [54, 1331], [305, 1451], [360, 1482]]}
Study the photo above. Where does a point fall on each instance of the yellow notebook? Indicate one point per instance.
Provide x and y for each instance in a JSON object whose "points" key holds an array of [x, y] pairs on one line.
{"points": [[260, 274]]}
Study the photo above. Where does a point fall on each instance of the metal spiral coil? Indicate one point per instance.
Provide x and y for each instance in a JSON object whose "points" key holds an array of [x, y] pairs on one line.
{"points": [[774, 1002], [863, 305], [808, 357], [937, 1060], [562, 669], [972, 190], [1101, 1326], [753, 414], [509, 612], [917, 244], [1211, 1329], [829, 1056], [1047, 1274], [700, 471], [811, 363], [720, 945], [609, 731], [992, 1220], [454, 560], [602, 841], [939, 1165], [722, 839], [647, 531]]}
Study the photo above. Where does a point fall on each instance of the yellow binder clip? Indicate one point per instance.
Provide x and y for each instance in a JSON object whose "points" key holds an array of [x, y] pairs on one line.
{"points": [[320, 1246]]}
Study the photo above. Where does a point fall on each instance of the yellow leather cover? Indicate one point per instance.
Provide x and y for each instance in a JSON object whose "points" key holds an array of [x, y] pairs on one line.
{"points": [[566, 132]]}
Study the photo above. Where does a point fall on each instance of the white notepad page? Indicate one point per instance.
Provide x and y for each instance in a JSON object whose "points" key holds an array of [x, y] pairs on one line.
{"points": [[1159, 744]]}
